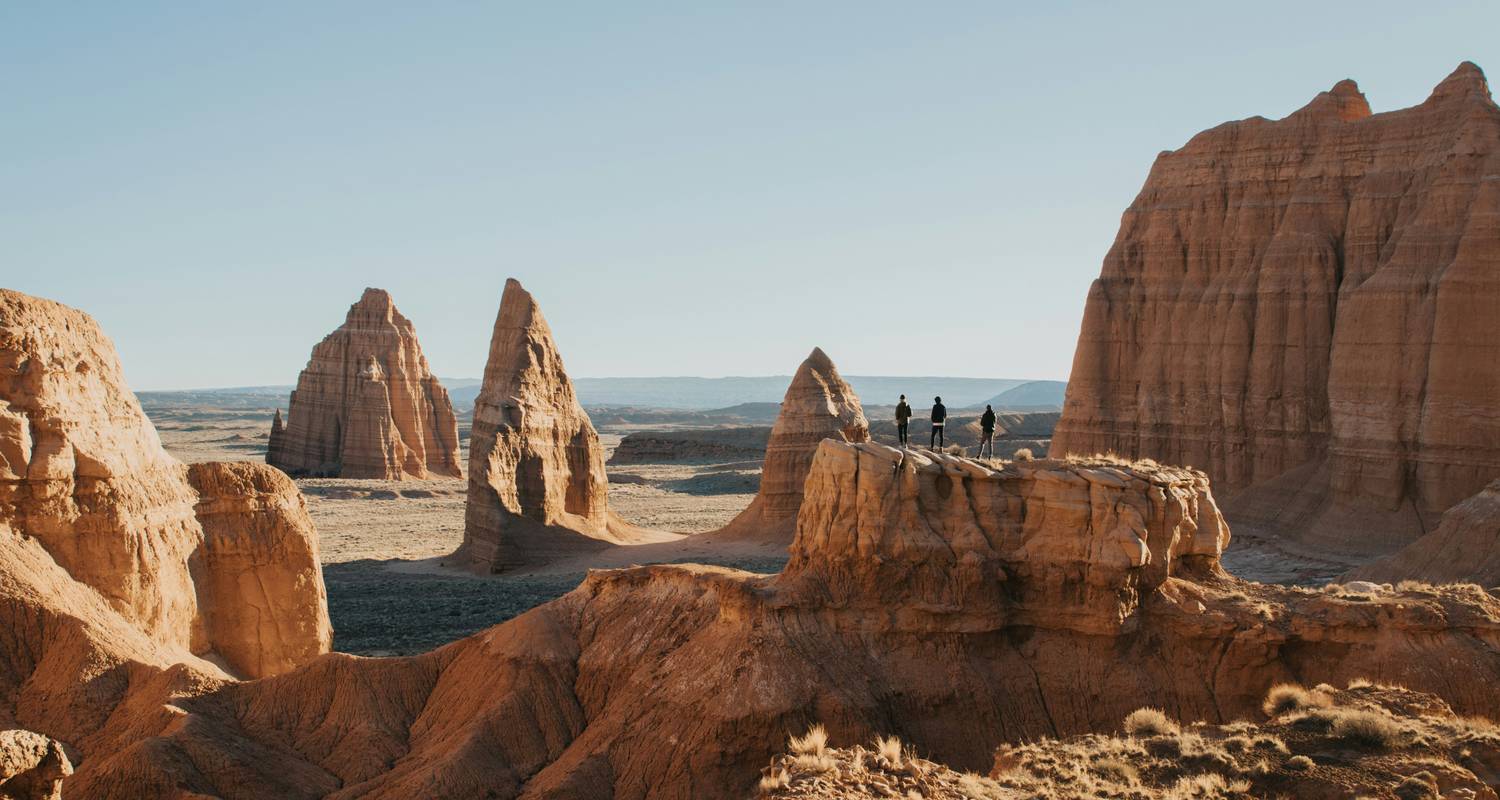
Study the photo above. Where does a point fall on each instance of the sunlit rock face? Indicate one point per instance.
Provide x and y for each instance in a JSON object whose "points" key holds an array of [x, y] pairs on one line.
{"points": [[818, 405], [1305, 308], [367, 405], [216, 560], [537, 486]]}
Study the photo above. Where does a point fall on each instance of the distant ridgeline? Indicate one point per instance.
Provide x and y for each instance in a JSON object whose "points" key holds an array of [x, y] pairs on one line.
{"points": [[704, 393]]}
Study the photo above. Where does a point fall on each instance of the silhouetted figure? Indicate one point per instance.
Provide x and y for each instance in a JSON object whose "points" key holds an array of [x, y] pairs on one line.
{"points": [[939, 416], [903, 415], [987, 431]]}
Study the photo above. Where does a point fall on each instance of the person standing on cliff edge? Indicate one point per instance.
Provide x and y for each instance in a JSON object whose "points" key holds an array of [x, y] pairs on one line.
{"points": [[987, 431], [939, 417], [903, 415]]}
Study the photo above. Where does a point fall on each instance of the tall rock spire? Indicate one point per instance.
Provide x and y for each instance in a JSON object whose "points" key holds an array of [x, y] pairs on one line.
{"points": [[537, 487], [367, 405], [818, 405]]}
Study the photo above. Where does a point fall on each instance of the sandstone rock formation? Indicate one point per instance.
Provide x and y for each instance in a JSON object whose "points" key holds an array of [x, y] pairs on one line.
{"points": [[367, 405], [1306, 307], [1465, 548], [956, 606], [537, 486], [32, 766], [212, 561], [818, 405]]}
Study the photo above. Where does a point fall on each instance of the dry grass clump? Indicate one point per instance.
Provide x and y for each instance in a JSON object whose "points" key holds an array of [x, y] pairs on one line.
{"points": [[1023, 454], [1366, 727], [814, 742], [1421, 786], [1285, 697], [1150, 722], [1299, 764], [813, 770]]}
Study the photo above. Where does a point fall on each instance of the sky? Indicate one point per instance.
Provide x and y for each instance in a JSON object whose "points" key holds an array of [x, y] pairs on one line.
{"points": [[687, 188]]}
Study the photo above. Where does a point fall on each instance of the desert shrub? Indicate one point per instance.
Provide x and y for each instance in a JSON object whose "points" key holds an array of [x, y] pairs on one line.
{"points": [[888, 751], [1364, 727], [1118, 770], [1299, 764], [1024, 454], [954, 450], [1150, 722], [1421, 786], [815, 742], [1284, 697], [815, 762], [775, 779], [1205, 786]]}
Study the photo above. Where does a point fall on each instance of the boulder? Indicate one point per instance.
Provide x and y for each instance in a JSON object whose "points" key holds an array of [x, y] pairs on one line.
{"points": [[1305, 309], [367, 405], [32, 766]]}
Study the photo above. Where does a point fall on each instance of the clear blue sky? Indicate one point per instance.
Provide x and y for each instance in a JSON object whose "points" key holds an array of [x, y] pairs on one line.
{"points": [[688, 189]]}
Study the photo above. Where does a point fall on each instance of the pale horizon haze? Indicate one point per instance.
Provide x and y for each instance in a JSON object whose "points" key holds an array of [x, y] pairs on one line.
{"points": [[687, 189]]}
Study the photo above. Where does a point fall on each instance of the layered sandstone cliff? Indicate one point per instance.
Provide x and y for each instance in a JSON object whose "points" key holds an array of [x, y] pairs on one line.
{"points": [[537, 486], [210, 561], [1306, 308], [818, 405], [1465, 548], [956, 606], [367, 405]]}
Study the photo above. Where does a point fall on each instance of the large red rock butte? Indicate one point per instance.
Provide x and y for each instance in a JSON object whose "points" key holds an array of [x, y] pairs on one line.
{"points": [[537, 486], [818, 405], [1306, 309], [367, 405]]}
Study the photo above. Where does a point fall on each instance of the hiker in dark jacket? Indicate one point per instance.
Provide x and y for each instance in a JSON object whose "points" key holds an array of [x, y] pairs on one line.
{"points": [[939, 417], [987, 431], [903, 415]]}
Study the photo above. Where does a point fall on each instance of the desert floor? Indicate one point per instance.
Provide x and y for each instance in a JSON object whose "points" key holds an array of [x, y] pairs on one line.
{"points": [[384, 544]]}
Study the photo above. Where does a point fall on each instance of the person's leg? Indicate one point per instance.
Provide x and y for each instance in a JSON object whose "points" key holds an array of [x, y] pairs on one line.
{"points": [[932, 438], [939, 428]]}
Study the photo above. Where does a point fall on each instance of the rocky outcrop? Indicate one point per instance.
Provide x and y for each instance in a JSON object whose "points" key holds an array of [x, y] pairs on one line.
{"points": [[32, 766], [367, 405], [537, 486], [1305, 308], [1061, 544], [199, 562], [1465, 548], [260, 568], [956, 606], [818, 405]]}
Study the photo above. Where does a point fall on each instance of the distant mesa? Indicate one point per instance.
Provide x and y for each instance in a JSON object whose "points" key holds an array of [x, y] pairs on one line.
{"points": [[367, 405], [1031, 396], [818, 405], [537, 486], [1306, 308]]}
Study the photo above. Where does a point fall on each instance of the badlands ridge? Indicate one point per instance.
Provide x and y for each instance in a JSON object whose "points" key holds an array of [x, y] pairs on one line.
{"points": [[1275, 293]]}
